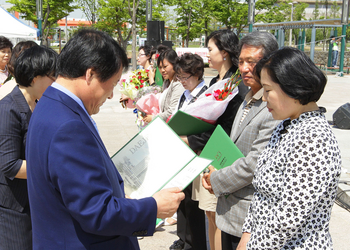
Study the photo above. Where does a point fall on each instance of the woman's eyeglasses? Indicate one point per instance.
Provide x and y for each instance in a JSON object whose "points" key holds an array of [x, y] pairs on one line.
{"points": [[182, 79]]}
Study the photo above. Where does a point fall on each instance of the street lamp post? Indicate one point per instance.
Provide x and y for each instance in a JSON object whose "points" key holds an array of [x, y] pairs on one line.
{"points": [[39, 14], [251, 14], [291, 19]]}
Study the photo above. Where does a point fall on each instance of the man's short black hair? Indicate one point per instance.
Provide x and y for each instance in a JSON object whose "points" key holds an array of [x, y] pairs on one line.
{"points": [[93, 49]]}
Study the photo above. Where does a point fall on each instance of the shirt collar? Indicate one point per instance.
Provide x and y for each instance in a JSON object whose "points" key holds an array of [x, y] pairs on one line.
{"points": [[190, 95], [75, 98], [257, 96]]}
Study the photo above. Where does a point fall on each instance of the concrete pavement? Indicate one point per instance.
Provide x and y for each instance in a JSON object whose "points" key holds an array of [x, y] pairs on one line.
{"points": [[117, 126]]}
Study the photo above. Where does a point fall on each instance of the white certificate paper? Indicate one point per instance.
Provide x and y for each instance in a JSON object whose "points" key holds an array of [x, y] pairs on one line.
{"points": [[151, 160]]}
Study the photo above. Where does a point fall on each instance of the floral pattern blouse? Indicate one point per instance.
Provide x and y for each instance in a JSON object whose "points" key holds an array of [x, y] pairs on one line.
{"points": [[296, 182]]}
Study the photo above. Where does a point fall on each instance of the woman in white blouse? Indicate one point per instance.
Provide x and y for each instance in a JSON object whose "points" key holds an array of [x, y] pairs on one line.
{"points": [[189, 70], [297, 175]]}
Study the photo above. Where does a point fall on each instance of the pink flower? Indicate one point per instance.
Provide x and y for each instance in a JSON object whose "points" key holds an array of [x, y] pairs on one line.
{"points": [[142, 81], [217, 93]]}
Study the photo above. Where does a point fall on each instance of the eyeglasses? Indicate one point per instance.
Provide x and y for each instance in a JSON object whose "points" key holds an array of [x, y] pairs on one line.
{"points": [[183, 79], [141, 55]]}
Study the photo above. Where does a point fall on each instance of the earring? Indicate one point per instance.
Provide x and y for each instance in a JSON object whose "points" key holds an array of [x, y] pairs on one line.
{"points": [[224, 58]]}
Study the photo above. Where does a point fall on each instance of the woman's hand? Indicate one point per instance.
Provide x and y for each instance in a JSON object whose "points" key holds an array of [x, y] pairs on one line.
{"points": [[184, 138], [147, 118], [123, 100], [151, 76], [242, 245]]}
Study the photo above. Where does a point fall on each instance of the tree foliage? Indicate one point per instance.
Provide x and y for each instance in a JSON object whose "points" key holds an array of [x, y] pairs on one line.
{"points": [[52, 12], [89, 8]]}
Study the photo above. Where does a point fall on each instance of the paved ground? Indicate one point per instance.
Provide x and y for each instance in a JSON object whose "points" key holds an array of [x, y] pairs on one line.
{"points": [[117, 126]]}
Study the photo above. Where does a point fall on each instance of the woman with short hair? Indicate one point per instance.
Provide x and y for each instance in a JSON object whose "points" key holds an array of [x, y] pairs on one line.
{"points": [[5, 56], [34, 72], [11, 82], [296, 177], [144, 57], [189, 70]]}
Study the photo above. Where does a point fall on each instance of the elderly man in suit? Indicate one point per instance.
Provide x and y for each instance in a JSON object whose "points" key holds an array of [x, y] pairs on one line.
{"points": [[251, 131], [75, 192]]}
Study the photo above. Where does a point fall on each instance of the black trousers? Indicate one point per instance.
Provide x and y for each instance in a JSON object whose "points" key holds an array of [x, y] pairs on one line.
{"points": [[191, 223], [228, 241]]}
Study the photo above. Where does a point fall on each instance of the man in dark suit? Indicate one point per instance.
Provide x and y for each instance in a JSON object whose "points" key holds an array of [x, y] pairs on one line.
{"points": [[76, 194], [251, 131]]}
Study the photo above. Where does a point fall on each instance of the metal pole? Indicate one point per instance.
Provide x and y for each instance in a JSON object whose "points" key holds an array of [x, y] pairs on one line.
{"points": [[148, 10], [313, 38], [65, 31], [344, 22], [251, 14], [303, 40], [329, 62], [39, 14], [341, 64], [290, 30]]}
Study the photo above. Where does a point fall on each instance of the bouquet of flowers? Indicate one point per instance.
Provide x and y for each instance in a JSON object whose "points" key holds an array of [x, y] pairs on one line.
{"points": [[147, 100], [137, 80], [213, 102]]}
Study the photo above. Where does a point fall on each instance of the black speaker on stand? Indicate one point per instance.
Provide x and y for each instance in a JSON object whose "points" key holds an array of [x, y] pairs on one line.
{"points": [[341, 117], [153, 31], [155, 34]]}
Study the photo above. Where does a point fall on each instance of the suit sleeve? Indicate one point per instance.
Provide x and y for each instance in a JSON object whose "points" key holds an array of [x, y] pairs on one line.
{"points": [[11, 141], [77, 168], [176, 91], [240, 174]]}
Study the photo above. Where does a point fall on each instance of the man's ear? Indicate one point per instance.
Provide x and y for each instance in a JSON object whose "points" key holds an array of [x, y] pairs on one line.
{"points": [[89, 75]]}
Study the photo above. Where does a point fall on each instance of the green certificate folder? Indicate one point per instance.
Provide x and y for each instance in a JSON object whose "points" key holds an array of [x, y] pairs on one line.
{"points": [[157, 158], [185, 124], [221, 149]]}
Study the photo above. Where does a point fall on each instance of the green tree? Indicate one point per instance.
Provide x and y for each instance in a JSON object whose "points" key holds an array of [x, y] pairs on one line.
{"points": [[188, 19], [89, 8], [113, 18], [233, 14], [316, 11], [52, 12], [335, 10]]}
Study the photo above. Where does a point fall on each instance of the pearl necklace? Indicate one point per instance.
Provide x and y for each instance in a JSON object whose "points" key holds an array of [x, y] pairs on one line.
{"points": [[5, 70]]}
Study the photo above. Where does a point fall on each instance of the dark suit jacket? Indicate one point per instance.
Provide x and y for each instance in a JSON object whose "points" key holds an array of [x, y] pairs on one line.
{"points": [[14, 120], [197, 142], [75, 192]]}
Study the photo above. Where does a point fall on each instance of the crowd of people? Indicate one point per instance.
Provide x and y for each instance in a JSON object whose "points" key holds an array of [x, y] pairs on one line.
{"points": [[60, 189]]}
